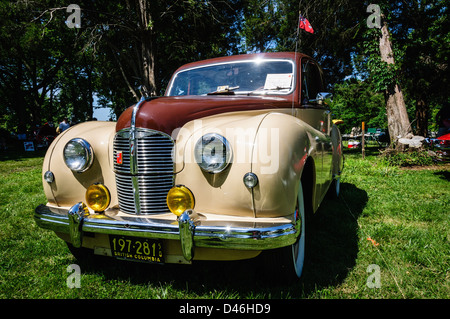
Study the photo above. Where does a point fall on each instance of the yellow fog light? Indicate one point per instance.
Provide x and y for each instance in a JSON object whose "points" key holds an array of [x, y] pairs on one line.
{"points": [[98, 197], [179, 199]]}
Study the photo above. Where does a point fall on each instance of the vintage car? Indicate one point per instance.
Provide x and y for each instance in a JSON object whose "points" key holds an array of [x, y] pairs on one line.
{"points": [[230, 162]]}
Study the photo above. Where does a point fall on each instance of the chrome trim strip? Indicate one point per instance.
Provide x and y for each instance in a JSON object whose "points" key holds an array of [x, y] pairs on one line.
{"points": [[136, 196], [234, 235], [133, 157], [135, 110]]}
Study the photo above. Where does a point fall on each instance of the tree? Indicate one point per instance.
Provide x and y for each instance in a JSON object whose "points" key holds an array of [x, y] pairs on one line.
{"points": [[377, 48], [398, 121], [46, 71], [423, 38], [272, 26], [49, 70], [31, 56], [141, 43], [261, 22]]}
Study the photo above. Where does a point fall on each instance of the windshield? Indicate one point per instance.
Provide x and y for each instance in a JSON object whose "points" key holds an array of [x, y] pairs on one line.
{"points": [[238, 77]]}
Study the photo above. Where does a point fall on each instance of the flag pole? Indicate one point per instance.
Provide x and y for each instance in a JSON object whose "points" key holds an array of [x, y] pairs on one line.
{"points": [[297, 38], [296, 46]]}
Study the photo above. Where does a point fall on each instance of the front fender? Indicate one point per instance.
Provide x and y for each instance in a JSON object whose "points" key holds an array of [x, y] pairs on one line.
{"points": [[69, 187], [282, 146], [338, 155], [274, 146], [222, 193]]}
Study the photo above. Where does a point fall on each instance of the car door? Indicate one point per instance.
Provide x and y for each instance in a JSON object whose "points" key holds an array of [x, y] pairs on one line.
{"points": [[317, 115]]}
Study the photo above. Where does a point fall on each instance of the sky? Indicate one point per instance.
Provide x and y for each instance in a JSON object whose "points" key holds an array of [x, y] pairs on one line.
{"points": [[102, 114]]}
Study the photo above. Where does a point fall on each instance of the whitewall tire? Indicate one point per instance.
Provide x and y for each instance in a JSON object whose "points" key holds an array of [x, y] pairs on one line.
{"points": [[298, 248]]}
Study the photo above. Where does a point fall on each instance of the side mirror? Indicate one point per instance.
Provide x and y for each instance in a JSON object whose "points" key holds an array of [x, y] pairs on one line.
{"points": [[322, 97]]}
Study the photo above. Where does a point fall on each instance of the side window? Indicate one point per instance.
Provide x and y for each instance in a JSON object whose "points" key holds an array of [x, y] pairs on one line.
{"points": [[311, 81]]}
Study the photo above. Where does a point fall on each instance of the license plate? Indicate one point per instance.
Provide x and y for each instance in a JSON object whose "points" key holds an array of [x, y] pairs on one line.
{"points": [[137, 249]]}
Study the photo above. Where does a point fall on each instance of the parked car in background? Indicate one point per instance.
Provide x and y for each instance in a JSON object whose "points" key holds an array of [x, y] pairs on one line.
{"points": [[353, 144], [44, 135], [232, 161], [441, 146]]}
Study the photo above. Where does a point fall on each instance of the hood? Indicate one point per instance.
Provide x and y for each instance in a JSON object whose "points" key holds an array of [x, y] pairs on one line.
{"points": [[165, 114]]}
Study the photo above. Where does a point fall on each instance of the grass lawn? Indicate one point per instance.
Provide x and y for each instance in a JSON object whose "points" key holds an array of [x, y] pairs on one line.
{"points": [[387, 236]]}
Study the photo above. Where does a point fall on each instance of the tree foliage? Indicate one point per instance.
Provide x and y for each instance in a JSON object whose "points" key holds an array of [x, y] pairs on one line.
{"points": [[32, 55], [419, 30], [355, 102], [49, 71], [272, 26]]}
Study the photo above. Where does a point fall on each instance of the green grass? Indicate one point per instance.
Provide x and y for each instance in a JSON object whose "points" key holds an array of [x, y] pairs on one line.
{"points": [[405, 211]]}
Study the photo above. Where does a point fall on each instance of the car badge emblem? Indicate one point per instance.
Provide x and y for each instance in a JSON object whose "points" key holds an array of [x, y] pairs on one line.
{"points": [[119, 158]]}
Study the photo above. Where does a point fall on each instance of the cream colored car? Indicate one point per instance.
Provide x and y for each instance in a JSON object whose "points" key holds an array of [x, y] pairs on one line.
{"points": [[230, 162]]}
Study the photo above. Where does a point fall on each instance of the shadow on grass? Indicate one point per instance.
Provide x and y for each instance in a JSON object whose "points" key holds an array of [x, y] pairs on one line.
{"points": [[17, 153], [333, 252], [445, 175]]}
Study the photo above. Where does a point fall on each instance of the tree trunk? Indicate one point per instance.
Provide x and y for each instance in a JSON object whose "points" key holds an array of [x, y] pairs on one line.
{"points": [[147, 47], [19, 105], [398, 121], [422, 117]]}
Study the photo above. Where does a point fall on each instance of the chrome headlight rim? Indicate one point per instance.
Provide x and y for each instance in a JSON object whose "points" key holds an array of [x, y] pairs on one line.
{"points": [[200, 147], [87, 155]]}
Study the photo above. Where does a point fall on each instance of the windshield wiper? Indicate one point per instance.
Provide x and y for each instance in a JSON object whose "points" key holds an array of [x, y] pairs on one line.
{"points": [[264, 91], [224, 90]]}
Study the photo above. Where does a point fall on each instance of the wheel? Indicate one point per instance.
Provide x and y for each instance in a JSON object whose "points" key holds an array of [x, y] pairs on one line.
{"points": [[335, 187], [286, 264], [338, 166], [298, 248]]}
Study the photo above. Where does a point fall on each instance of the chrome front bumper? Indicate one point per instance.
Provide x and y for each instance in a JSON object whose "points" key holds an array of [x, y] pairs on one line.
{"points": [[189, 228]]}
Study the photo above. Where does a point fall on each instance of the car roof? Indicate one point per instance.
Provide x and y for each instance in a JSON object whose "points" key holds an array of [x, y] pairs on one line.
{"points": [[240, 57]]}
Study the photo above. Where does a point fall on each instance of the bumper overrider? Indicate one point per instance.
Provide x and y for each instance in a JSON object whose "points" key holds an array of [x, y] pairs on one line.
{"points": [[189, 228]]}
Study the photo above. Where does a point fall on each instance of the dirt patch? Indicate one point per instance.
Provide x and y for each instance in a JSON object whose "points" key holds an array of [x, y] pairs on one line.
{"points": [[437, 167]]}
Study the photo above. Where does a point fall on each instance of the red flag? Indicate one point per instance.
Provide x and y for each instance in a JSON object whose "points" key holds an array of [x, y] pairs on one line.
{"points": [[305, 25]]}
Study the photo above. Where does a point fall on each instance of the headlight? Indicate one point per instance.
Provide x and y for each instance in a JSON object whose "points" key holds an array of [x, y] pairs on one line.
{"points": [[212, 153], [78, 155]]}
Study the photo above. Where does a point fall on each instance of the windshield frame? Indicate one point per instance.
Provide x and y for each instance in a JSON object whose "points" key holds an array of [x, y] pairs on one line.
{"points": [[270, 92]]}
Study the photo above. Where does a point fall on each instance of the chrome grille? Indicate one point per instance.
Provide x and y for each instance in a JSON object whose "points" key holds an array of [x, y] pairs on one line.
{"points": [[154, 175], [152, 191]]}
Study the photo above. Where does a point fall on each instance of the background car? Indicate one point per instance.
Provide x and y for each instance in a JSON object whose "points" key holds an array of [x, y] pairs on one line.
{"points": [[441, 147], [353, 144]]}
